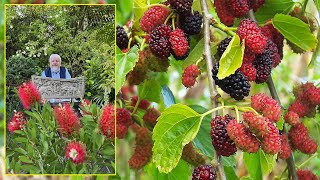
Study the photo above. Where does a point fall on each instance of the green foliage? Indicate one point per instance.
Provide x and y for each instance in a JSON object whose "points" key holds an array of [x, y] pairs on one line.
{"points": [[231, 58], [317, 2], [176, 127], [295, 30], [230, 173], [259, 163], [272, 7], [180, 172], [194, 55], [39, 148], [168, 97], [19, 70], [124, 64], [99, 75], [203, 140], [139, 7], [124, 10], [150, 90]]}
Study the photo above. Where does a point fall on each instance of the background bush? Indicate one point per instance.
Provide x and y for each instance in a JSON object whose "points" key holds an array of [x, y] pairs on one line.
{"points": [[82, 35]]}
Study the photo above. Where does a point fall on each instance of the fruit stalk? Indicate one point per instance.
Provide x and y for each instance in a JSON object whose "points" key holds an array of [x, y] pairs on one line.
{"points": [[213, 91]]}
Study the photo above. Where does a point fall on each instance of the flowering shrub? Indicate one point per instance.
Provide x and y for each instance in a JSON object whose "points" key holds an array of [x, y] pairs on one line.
{"points": [[46, 140]]}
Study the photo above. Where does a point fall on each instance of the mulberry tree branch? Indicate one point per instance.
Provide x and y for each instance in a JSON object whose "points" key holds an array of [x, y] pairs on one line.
{"points": [[290, 161], [212, 87]]}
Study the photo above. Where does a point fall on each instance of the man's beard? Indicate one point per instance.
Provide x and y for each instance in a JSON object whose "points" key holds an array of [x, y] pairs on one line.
{"points": [[55, 69]]}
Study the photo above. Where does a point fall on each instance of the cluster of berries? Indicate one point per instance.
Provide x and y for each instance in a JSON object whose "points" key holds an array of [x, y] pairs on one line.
{"points": [[305, 104], [123, 121], [161, 38], [17, 122], [305, 174], [307, 99], [263, 51], [229, 10], [150, 114], [143, 151], [256, 130]]}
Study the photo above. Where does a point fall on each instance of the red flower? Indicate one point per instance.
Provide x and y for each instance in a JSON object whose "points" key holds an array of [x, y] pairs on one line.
{"points": [[28, 94], [66, 119], [106, 122], [17, 122], [76, 152]]}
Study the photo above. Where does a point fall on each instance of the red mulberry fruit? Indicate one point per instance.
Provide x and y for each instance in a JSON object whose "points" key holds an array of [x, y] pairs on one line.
{"points": [[242, 137], [257, 123], [239, 7], [285, 150], [254, 39], [249, 71], [144, 104], [153, 17], [224, 12], [292, 118], [189, 75], [271, 142], [179, 44], [204, 172], [306, 175]]}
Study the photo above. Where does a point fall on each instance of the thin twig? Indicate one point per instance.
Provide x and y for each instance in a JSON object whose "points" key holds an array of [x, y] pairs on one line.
{"points": [[222, 27], [213, 91]]}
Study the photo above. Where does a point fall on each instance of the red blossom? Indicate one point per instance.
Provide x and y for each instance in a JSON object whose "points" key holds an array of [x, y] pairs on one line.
{"points": [[76, 152], [66, 119], [28, 94], [106, 123], [17, 122]]}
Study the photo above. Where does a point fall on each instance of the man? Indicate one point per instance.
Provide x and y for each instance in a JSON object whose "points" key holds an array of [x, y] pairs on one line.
{"points": [[56, 70]]}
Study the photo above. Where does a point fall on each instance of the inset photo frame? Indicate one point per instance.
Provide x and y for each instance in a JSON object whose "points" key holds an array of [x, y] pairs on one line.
{"points": [[59, 67]]}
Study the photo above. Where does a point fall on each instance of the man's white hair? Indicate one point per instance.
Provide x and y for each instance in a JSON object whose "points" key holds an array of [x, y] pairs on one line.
{"points": [[53, 56]]}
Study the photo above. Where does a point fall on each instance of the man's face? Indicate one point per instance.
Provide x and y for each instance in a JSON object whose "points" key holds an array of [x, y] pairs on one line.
{"points": [[55, 64]]}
